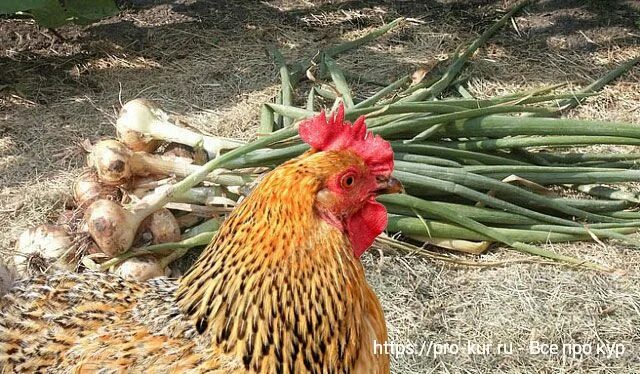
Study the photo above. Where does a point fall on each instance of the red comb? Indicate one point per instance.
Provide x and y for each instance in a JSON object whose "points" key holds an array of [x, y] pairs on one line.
{"points": [[336, 135]]}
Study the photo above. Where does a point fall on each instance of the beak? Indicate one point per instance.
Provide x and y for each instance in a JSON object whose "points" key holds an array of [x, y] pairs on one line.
{"points": [[389, 185]]}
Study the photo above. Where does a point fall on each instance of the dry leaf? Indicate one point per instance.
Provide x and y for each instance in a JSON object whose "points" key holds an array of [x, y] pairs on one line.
{"points": [[418, 76], [514, 179], [310, 75], [459, 245]]}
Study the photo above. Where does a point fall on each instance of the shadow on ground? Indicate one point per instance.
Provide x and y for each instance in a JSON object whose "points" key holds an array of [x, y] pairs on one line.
{"points": [[43, 68]]}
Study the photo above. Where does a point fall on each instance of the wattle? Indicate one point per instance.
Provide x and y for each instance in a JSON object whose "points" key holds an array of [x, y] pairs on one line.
{"points": [[365, 225]]}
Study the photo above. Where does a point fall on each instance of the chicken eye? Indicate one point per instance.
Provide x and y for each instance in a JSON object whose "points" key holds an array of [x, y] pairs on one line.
{"points": [[348, 181]]}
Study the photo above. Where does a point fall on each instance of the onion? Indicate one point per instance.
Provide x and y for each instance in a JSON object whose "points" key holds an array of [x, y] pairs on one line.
{"points": [[159, 227], [116, 164], [145, 117], [141, 268], [179, 150], [188, 220], [44, 246], [110, 159], [135, 140], [114, 228], [87, 189], [111, 226], [197, 156]]}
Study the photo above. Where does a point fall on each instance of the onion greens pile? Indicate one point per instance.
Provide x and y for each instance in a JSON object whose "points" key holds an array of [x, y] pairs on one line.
{"points": [[481, 169]]}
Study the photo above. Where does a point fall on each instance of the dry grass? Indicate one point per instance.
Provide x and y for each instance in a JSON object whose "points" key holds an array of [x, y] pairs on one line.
{"points": [[516, 304], [208, 62]]}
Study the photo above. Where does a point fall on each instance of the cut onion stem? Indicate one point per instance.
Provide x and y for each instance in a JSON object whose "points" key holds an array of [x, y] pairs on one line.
{"points": [[146, 118], [214, 195], [116, 164]]}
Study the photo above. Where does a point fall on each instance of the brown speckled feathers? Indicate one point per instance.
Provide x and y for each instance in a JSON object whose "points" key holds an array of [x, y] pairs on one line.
{"points": [[96, 322], [278, 290]]}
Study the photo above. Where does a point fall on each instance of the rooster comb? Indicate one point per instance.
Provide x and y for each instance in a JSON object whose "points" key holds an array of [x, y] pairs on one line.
{"points": [[335, 134]]}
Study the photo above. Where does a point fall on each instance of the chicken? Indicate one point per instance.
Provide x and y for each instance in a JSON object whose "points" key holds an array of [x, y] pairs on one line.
{"points": [[280, 288]]}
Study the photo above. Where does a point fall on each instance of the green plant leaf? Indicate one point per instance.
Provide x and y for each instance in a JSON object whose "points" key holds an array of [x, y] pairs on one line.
{"points": [[50, 14], [55, 13], [85, 12], [13, 6]]}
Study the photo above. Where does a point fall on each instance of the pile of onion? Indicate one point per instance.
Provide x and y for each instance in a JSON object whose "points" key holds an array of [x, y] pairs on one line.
{"points": [[120, 202]]}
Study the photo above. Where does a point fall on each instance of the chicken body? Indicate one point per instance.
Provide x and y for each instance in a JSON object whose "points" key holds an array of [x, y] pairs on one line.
{"points": [[96, 322], [278, 290]]}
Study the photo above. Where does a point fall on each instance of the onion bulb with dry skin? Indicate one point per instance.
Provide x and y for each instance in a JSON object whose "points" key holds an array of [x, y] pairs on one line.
{"points": [[142, 268], [87, 189], [179, 150], [112, 227], [145, 117], [197, 156], [39, 248], [188, 220], [116, 164], [160, 227], [136, 141]]}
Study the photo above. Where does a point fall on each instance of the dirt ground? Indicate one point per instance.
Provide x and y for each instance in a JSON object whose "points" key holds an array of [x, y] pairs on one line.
{"points": [[206, 60]]}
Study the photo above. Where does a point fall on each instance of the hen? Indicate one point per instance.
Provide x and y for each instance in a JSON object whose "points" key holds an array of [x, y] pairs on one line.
{"points": [[279, 290]]}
